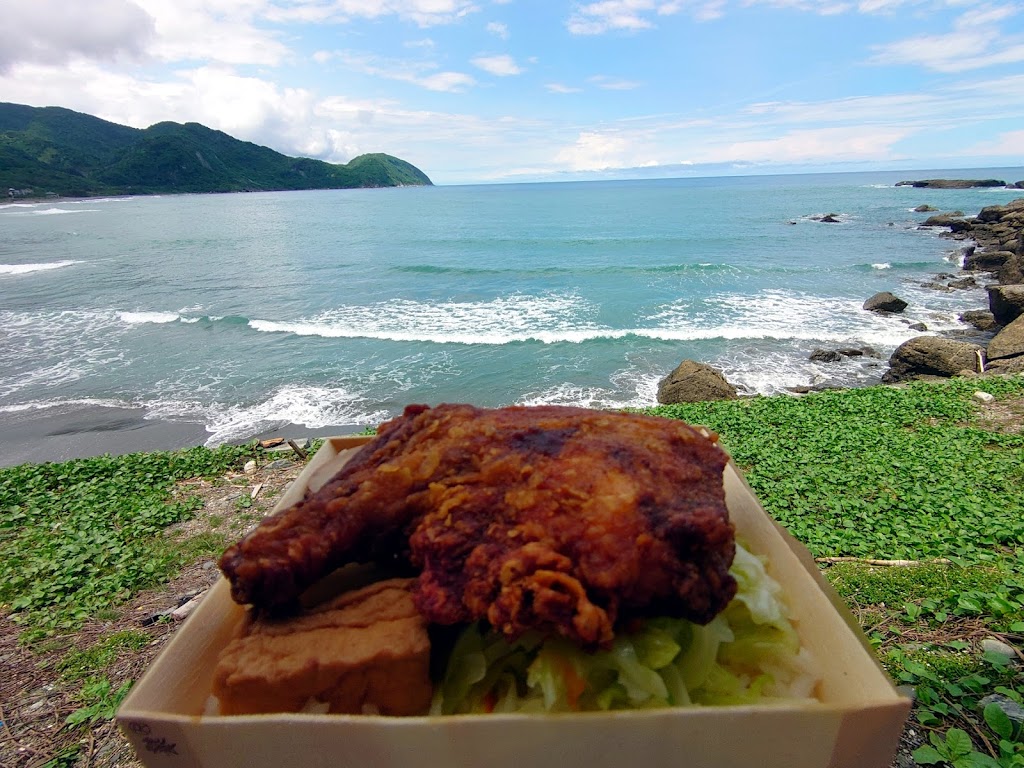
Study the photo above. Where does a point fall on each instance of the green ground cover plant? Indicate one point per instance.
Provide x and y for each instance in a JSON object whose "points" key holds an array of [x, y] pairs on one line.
{"points": [[81, 536], [920, 475], [914, 475]]}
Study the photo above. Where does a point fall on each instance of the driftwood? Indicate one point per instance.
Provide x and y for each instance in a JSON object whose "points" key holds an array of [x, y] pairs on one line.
{"points": [[869, 561]]}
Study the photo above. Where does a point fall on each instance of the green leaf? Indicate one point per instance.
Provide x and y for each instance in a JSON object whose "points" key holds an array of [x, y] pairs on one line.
{"points": [[998, 721], [958, 743], [926, 755], [975, 760]]}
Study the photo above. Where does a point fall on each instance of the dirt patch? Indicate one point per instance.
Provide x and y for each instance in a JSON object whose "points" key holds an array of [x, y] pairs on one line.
{"points": [[1006, 415], [35, 695]]}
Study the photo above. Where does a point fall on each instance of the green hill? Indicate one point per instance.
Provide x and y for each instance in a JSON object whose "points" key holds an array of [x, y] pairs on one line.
{"points": [[51, 150]]}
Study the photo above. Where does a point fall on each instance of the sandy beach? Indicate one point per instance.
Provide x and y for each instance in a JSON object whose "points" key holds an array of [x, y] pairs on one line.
{"points": [[69, 432]]}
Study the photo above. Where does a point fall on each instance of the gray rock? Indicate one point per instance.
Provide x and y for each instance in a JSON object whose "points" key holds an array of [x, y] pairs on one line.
{"points": [[981, 319], [1006, 302], [1006, 365], [997, 646], [280, 464], [954, 222], [1010, 708], [885, 302], [693, 382], [987, 261], [1012, 272], [1009, 342], [983, 397], [931, 356], [826, 356], [966, 282], [952, 183]]}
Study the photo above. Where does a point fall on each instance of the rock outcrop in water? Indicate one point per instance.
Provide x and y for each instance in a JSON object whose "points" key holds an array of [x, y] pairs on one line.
{"points": [[998, 251], [885, 302], [952, 183], [931, 356], [693, 382]]}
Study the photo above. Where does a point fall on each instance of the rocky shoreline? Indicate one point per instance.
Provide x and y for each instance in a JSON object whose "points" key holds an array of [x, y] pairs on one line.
{"points": [[990, 343]]}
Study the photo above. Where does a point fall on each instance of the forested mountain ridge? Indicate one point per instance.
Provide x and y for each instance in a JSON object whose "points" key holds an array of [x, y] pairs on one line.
{"points": [[52, 150]]}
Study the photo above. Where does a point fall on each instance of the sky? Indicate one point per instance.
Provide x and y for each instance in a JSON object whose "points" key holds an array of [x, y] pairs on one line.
{"points": [[487, 91]]}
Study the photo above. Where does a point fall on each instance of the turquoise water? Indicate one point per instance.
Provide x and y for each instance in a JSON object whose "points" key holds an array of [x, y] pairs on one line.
{"points": [[251, 311]]}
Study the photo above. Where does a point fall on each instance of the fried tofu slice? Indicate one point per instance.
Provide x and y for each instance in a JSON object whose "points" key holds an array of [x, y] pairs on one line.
{"points": [[362, 651]]}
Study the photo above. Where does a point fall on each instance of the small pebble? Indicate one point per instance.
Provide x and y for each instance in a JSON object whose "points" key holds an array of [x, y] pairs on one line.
{"points": [[984, 397], [1010, 708], [994, 645], [250, 466]]}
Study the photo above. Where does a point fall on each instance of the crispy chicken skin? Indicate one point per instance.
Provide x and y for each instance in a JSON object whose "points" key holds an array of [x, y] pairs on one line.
{"points": [[551, 518]]}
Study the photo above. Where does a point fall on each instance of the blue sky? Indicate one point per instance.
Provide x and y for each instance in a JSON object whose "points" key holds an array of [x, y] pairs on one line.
{"points": [[478, 91]]}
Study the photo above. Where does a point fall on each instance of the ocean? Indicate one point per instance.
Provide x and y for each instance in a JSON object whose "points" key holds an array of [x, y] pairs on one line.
{"points": [[248, 312]]}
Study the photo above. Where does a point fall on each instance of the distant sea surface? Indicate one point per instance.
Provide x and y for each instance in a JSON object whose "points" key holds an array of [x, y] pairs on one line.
{"points": [[247, 312]]}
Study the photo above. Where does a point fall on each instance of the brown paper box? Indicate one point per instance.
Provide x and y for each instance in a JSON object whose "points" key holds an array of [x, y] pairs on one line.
{"points": [[856, 724]]}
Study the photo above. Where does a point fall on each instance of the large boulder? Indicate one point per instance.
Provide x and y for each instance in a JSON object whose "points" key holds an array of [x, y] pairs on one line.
{"points": [[693, 382], [1009, 342], [1012, 272], [1006, 302], [885, 302], [1007, 365], [987, 261], [981, 319], [928, 356], [954, 222]]}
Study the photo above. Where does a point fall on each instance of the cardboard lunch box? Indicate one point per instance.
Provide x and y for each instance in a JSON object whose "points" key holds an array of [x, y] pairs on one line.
{"points": [[856, 723]]}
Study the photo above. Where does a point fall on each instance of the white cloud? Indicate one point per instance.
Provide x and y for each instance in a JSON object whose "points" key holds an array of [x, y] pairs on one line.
{"points": [[606, 15], [843, 143], [217, 31], [613, 83], [55, 32], [416, 72], [499, 29], [452, 82], [423, 13], [595, 151], [977, 41], [559, 88], [1011, 143], [823, 7], [501, 65]]}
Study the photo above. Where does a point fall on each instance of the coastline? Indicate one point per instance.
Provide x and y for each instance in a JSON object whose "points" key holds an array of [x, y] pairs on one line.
{"points": [[66, 432], [990, 250]]}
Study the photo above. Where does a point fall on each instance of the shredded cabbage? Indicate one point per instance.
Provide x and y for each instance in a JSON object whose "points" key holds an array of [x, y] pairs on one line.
{"points": [[750, 653]]}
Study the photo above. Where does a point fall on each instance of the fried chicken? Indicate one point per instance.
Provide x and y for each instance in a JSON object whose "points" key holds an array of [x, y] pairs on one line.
{"points": [[550, 518]]}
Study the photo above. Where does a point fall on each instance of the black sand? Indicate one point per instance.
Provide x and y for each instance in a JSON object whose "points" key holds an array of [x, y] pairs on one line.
{"points": [[73, 432]]}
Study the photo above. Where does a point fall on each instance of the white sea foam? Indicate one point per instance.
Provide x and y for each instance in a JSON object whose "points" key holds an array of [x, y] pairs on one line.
{"points": [[44, 405], [138, 318], [24, 269], [506, 319], [310, 406], [633, 388], [49, 349], [59, 211], [882, 265], [779, 315]]}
